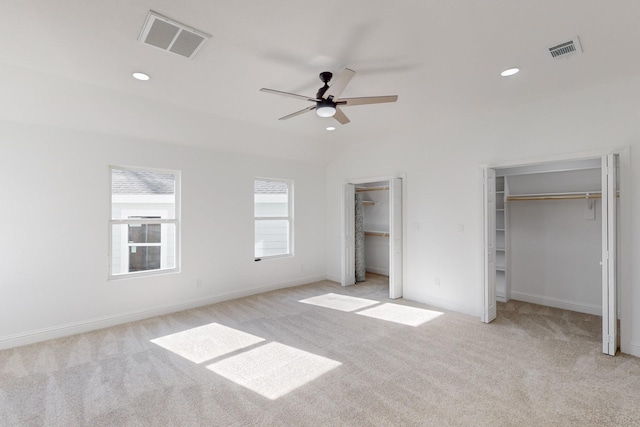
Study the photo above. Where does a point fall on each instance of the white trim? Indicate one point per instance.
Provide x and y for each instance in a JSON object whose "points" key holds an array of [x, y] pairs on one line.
{"points": [[67, 329], [633, 349], [557, 303], [582, 155], [446, 304], [333, 278]]}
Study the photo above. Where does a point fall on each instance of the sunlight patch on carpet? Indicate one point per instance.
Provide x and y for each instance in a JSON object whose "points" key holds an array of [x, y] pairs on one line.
{"points": [[206, 342], [411, 316], [339, 302], [273, 369]]}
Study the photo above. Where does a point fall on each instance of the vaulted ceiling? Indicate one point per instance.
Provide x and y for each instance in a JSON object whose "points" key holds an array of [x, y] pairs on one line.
{"points": [[68, 63]]}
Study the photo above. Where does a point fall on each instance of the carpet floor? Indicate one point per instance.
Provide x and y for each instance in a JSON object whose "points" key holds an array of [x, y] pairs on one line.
{"points": [[322, 354]]}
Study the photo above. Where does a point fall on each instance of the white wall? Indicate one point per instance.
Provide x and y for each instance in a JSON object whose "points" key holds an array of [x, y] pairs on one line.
{"points": [[555, 245], [54, 226], [443, 187], [556, 254]]}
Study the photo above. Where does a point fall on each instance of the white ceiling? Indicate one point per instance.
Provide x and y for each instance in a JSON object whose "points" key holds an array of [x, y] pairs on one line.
{"points": [[68, 63]]}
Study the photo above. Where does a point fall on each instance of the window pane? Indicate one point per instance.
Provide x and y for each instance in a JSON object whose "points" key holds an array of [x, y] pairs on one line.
{"points": [[144, 233], [143, 194], [142, 247], [271, 198], [271, 237], [143, 258]]}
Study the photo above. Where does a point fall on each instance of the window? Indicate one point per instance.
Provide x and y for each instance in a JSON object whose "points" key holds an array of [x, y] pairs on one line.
{"points": [[144, 222], [273, 214]]}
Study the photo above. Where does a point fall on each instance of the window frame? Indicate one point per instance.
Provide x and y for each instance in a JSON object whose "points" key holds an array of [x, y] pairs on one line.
{"points": [[288, 218], [139, 221]]}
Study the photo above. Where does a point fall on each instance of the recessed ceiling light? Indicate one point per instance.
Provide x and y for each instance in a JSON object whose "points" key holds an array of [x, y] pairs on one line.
{"points": [[510, 72], [141, 76], [331, 128]]}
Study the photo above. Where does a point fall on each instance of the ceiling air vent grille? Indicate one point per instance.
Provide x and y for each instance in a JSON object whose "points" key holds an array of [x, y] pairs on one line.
{"points": [[167, 34], [566, 49]]}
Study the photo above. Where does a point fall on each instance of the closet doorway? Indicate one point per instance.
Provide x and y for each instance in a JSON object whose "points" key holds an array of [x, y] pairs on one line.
{"points": [[551, 238], [372, 231]]}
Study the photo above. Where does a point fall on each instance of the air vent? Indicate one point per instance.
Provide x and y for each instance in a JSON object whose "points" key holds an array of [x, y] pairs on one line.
{"points": [[566, 49], [167, 34]]}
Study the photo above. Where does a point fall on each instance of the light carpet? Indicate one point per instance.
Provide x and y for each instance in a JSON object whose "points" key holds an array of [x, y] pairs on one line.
{"points": [[322, 354]]}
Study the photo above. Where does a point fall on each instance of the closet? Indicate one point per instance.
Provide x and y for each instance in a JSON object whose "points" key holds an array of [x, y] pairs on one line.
{"points": [[372, 229], [548, 241], [380, 214]]}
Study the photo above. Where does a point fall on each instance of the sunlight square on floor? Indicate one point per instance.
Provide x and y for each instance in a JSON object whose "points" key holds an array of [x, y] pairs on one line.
{"points": [[206, 342], [273, 369], [406, 315], [340, 302]]}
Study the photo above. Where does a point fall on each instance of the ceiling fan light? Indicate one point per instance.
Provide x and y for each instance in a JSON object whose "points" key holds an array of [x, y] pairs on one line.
{"points": [[326, 111]]}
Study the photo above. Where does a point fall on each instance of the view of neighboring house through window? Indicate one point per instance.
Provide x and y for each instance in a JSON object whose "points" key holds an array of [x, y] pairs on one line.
{"points": [[273, 212], [144, 221]]}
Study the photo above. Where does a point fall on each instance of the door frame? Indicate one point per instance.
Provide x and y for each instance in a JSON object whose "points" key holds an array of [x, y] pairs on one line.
{"points": [[623, 267], [345, 247]]}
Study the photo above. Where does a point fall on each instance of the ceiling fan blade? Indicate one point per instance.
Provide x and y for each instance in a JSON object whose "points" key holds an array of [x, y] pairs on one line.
{"points": [[347, 102], [292, 95], [297, 113], [339, 83], [340, 116]]}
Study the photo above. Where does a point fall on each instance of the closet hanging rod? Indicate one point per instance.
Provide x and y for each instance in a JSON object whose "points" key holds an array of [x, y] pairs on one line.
{"points": [[558, 196], [363, 189], [376, 233]]}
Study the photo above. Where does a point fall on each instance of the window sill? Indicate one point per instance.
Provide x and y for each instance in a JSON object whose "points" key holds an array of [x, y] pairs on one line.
{"points": [[271, 257], [136, 275]]}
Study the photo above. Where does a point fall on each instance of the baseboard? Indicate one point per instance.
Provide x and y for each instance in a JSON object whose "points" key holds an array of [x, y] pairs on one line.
{"points": [[444, 304], [634, 349], [334, 278], [557, 303], [58, 331], [377, 270]]}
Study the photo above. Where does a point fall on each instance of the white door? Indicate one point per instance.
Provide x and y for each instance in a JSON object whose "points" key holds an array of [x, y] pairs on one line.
{"points": [[609, 215], [489, 199], [395, 238], [349, 235]]}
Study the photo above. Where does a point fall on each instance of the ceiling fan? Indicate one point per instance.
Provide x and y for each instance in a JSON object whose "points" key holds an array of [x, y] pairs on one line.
{"points": [[327, 102]]}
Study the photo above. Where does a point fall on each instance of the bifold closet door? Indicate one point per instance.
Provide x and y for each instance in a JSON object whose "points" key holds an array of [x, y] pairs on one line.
{"points": [[395, 238], [609, 229], [349, 235], [489, 205]]}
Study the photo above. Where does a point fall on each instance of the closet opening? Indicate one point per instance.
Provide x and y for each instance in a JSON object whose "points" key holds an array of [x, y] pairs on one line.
{"points": [[552, 238], [372, 233]]}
